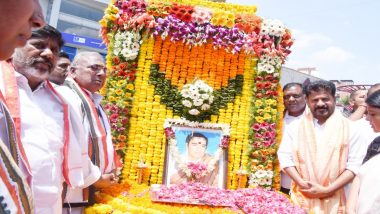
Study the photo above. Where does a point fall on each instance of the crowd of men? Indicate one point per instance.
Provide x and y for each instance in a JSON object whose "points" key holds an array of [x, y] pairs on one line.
{"points": [[55, 139], [322, 151]]}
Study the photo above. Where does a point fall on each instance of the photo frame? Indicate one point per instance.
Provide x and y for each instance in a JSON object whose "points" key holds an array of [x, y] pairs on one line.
{"points": [[196, 152]]}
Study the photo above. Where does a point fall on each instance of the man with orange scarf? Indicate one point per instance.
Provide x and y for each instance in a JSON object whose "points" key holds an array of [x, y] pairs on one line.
{"points": [[321, 152], [17, 18], [87, 76], [42, 121]]}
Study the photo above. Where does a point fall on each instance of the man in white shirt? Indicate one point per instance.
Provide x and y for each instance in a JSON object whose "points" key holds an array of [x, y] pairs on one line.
{"points": [[42, 119], [295, 104], [17, 18], [87, 76], [320, 152]]}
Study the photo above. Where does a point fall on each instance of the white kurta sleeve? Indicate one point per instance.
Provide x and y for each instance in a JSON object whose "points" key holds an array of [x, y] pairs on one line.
{"points": [[284, 153], [356, 148]]}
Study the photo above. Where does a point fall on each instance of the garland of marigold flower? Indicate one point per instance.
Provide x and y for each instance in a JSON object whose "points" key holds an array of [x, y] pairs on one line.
{"points": [[182, 64], [280, 124], [137, 111]]}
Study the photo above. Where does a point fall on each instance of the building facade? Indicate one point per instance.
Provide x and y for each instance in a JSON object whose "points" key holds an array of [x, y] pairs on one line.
{"points": [[78, 22]]}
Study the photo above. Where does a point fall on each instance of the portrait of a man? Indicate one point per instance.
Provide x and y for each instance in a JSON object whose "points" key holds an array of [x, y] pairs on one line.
{"points": [[196, 158]]}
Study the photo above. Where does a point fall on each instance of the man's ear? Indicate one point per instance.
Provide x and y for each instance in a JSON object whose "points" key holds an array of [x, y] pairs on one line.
{"points": [[72, 72]]}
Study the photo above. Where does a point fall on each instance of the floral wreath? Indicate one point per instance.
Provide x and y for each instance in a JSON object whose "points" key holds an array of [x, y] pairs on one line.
{"points": [[195, 169]]}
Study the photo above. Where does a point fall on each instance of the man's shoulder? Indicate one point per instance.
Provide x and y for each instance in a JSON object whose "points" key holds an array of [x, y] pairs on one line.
{"points": [[68, 94], [65, 91], [294, 124]]}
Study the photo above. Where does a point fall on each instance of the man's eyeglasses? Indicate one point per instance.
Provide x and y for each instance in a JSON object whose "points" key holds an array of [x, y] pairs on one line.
{"points": [[97, 68]]}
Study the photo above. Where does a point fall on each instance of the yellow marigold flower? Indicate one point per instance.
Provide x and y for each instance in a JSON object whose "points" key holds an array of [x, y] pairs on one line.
{"points": [[120, 83], [259, 119], [118, 91], [103, 22], [130, 86], [267, 116], [267, 109], [112, 17], [274, 111], [111, 99], [258, 103], [230, 23]]}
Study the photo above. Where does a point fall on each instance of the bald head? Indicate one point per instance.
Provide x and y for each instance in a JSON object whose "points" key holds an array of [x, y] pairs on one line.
{"points": [[89, 70]]}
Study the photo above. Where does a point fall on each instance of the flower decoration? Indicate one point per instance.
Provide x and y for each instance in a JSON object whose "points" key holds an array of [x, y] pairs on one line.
{"points": [[182, 12], [197, 97], [157, 48], [248, 23], [223, 18], [196, 170], [201, 15], [132, 6], [127, 44], [272, 27], [261, 178]]}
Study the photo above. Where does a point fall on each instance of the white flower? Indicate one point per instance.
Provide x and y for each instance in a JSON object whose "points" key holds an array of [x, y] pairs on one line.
{"points": [[205, 96], [211, 99], [198, 102], [261, 174], [193, 89], [262, 182], [270, 69], [185, 93], [272, 27], [194, 112], [268, 181], [187, 103], [205, 107], [194, 96]]}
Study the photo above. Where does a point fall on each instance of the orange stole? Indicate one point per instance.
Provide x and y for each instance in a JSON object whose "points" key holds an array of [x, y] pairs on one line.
{"points": [[11, 100], [95, 123], [321, 162], [15, 182]]}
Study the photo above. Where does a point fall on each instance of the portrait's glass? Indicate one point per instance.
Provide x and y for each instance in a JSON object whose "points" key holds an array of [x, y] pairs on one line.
{"points": [[195, 155]]}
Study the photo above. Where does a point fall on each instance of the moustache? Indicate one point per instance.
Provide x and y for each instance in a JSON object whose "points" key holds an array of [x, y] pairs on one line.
{"points": [[33, 61], [321, 108]]}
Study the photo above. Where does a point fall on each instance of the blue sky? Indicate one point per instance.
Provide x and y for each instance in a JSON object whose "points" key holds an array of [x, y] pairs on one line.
{"points": [[338, 38]]}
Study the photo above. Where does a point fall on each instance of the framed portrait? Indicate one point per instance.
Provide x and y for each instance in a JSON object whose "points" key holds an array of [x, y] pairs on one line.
{"points": [[196, 152]]}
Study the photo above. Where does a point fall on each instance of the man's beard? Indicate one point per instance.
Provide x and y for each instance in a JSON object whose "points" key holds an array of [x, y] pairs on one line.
{"points": [[37, 68]]}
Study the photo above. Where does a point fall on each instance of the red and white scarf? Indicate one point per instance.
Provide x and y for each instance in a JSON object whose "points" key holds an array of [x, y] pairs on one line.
{"points": [[71, 165]]}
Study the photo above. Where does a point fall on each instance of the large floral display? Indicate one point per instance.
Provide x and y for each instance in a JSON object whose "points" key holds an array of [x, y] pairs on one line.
{"points": [[198, 62]]}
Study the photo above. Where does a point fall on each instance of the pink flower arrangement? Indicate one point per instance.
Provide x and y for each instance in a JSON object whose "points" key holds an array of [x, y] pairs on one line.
{"points": [[201, 15], [265, 134], [225, 141], [256, 200], [169, 133], [197, 170]]}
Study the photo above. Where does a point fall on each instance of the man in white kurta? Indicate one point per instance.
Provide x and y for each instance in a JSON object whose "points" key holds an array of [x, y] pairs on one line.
{"points": [[321, 152], [295, 104], [45, 124], [15, 177], [87, 77]]}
